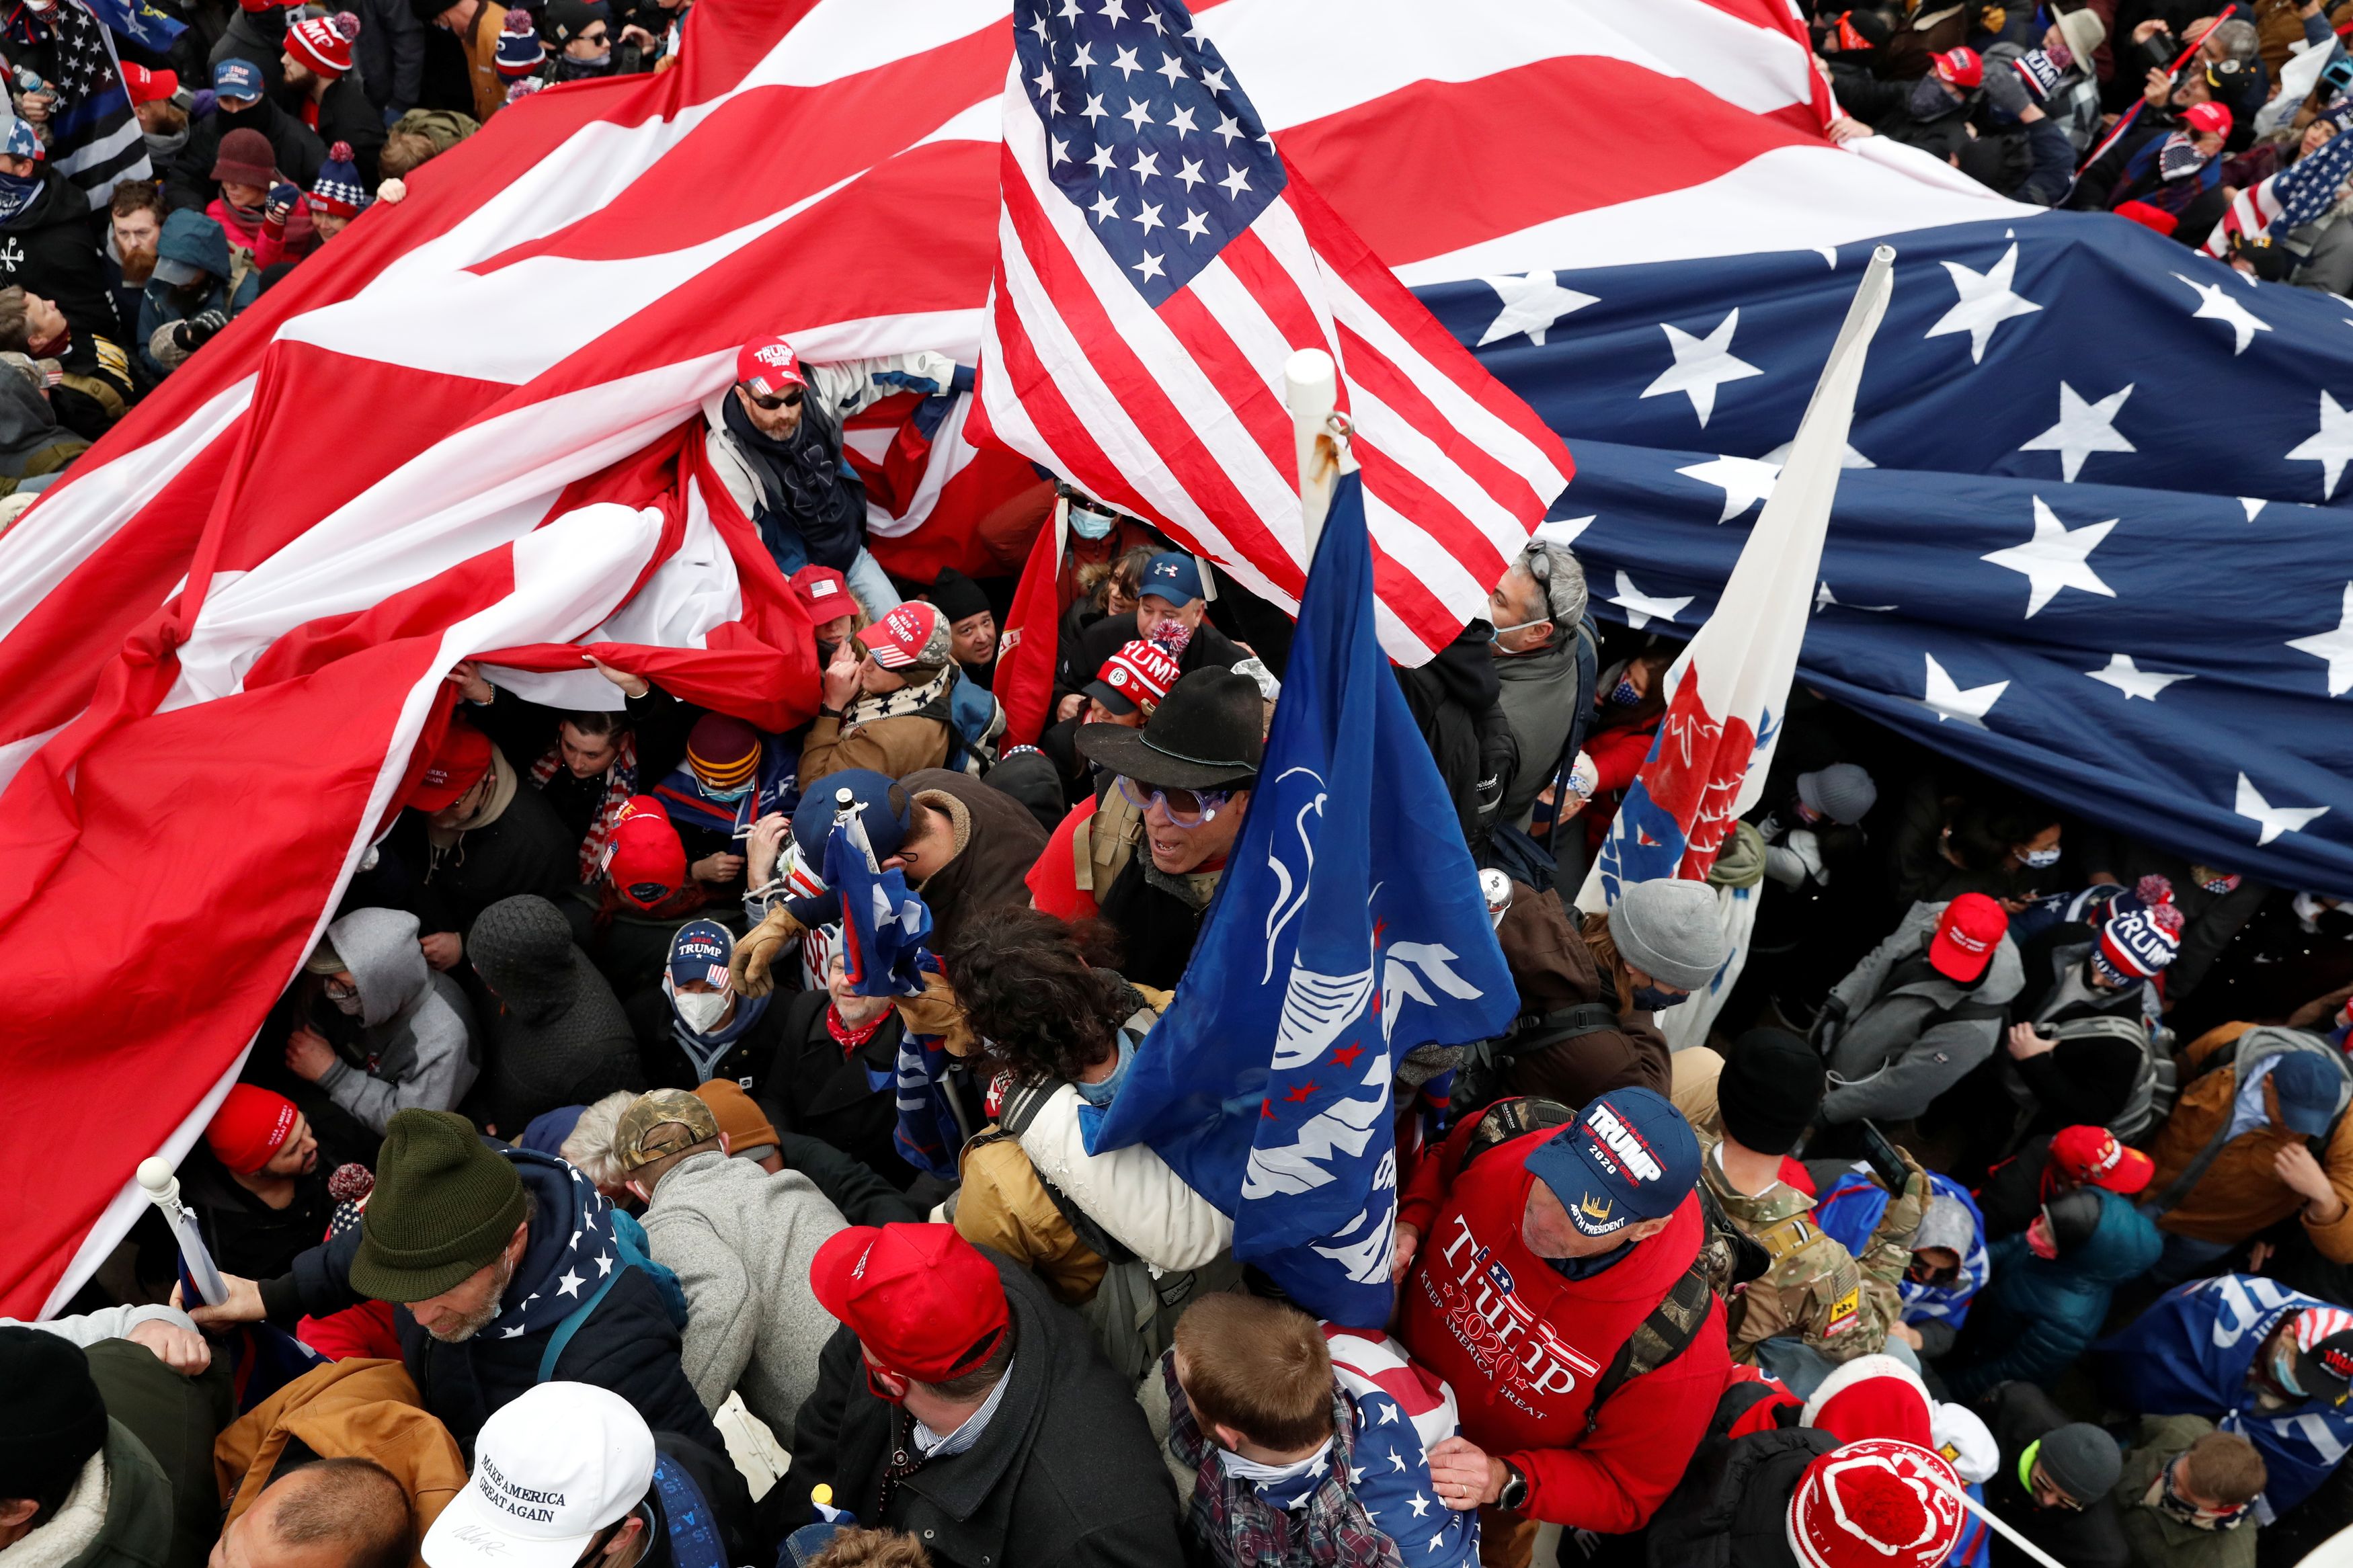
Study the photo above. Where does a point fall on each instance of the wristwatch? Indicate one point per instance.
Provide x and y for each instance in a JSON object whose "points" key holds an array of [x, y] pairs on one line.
{"points": [[1514, 1495]]}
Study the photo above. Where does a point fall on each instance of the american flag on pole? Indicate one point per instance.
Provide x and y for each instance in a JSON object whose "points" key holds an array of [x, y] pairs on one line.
{"points": [[2297, 194], [1157, 263]]}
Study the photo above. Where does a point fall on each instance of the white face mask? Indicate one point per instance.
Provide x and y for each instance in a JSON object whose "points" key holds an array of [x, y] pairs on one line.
{"points": [[698, 1009], [2041, 860]]}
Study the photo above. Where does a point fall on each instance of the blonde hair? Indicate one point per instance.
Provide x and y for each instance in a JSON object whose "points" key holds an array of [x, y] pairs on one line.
{"points": [[590, 1149], [1607, 960]]}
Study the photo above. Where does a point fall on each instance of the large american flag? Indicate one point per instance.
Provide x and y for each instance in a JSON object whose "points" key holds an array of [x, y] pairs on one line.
{"points": [[1158, 263]]}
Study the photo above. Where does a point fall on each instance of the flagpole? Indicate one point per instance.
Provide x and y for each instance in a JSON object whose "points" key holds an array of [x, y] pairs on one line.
{"points": [[1311, 387], [2007, 1533]]}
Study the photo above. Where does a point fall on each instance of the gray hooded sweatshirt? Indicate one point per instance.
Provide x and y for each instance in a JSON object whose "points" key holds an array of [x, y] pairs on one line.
{"points": [[1908, 1034], [416, 1024]]}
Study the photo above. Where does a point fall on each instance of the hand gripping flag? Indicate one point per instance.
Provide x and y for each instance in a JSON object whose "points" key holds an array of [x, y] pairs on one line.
{"points": [[1728, 692], [1345, 933], [1157, 260], [2296, 195]]}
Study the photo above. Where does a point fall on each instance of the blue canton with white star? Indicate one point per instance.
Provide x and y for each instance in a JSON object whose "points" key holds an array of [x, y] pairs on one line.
{"points": [[1146, 133], [2093, 533]]}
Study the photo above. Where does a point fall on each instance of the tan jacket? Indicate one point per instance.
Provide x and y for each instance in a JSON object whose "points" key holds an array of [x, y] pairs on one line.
{"points": [[357, 1409], [1003, 1204], [891, 747], [480, 43], [2240, 1193]]}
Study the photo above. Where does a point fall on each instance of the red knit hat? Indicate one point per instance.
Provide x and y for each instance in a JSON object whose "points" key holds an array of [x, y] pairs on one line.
{"points": [[645, 859], [252, 1124], [324, 44], [463, 757], [1876, 1504], [1871, 1396]]}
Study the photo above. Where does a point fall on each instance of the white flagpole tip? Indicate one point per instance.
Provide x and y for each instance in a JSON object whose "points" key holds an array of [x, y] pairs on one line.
{"points": [[1311, 389], [1309, 378], [158, 1177]]}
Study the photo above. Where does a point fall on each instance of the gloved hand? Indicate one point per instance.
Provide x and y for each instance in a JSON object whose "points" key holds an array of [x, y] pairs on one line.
{"points": [[280, 202], [198, 330], [906, 381], [937, 1013], [760, 950], [2007, 88], [1907, 1208]]}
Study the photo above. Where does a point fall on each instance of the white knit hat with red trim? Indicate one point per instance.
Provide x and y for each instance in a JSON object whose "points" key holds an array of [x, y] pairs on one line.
{"points": [[1876, 1504], [1871, 1396]]}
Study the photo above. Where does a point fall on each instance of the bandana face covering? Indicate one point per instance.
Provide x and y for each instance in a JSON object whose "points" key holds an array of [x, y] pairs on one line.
{"points": [[2173, 1506], [2179, 157], [16, 194], [2041, 860]]}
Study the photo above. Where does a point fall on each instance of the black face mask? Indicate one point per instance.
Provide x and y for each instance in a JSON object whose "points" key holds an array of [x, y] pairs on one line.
{"points": [[1651, 999]]}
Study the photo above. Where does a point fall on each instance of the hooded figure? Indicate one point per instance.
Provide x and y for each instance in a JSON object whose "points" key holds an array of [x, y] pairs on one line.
{"points": [[30, 441], [1935, 1306], [416, 1042], [996, 840], [2051, 1288], [190, 288], [558, 1037]]}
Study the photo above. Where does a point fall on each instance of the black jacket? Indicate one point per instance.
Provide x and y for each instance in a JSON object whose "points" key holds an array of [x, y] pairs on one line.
{"points": [[526, 850], [346, 115], [627, 1343], [1208, 648], [51, 249], [554, 1033], [2019, 1413], [1066, 1475], [247, 1235], [1731, 1509], [811, 1088], [1455, 699], [189, 175], [390, 55]]}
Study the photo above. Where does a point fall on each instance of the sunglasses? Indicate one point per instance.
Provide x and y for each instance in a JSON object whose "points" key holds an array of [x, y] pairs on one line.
{"points": [[1185, 807], [781, 400]]}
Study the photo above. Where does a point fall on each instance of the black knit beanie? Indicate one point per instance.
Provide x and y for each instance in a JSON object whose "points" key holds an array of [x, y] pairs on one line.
{"points": [[52, 1418], [1771, 1088], [956, 596]]}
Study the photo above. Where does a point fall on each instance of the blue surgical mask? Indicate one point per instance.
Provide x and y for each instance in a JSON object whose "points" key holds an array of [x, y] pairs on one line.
{"points": [[1088, 523], [727, 795], [2041, 860], [1651, 999], [1625, 694]]}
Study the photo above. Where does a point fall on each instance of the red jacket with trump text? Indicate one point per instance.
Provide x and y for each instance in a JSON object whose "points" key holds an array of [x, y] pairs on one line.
{"points": [[1523, 1346]]}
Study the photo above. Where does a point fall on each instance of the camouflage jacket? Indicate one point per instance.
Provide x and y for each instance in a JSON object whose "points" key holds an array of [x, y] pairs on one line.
{"points": [[1815, 1288]]}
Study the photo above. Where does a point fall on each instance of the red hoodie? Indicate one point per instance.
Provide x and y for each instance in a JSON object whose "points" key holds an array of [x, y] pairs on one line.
{"points": [[1524, 1346]]}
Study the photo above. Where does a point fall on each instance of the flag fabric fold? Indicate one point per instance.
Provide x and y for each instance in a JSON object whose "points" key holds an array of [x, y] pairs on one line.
{"points": [[1344, 935], [1024, 681], [1159, 260]]}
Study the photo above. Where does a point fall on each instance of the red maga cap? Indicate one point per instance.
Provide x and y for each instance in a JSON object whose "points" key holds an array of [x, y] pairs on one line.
{"points": [[1963, 945], [765, 366], [920, 1299]]}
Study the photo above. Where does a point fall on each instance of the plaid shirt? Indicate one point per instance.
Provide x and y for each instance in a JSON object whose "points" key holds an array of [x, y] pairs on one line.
{"points": [[1238, 1528]]}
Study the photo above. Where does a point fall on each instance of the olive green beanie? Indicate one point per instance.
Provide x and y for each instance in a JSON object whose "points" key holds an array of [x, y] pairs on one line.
{"points": [[445, 1205]]}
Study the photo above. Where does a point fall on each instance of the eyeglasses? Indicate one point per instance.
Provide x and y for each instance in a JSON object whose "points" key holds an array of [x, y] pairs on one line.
{"points": [[1185, 807], [781, 400]]}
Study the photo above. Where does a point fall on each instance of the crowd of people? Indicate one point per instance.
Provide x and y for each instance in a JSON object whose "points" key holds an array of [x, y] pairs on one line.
{"points": [[1990, 1194], [267, 128], [625, 1216], [2163, 110]]}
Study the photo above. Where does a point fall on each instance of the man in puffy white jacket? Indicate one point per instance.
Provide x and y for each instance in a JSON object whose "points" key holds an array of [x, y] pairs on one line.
{"points": [[775, 441], [414, 1045]]}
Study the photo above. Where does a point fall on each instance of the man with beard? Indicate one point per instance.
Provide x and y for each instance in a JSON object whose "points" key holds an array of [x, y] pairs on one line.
{"points": [[464, 1238]]}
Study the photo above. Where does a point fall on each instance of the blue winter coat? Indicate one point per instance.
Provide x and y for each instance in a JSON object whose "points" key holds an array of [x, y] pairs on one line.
{"points": [[2039, 1314], [2189, 1355]]}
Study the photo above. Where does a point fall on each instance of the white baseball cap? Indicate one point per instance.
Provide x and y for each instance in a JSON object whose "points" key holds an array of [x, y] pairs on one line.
{"points": [[552, 1467]]}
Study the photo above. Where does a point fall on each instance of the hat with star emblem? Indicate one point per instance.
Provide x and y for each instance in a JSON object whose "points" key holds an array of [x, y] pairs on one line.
{"points": [[445, 1205]]}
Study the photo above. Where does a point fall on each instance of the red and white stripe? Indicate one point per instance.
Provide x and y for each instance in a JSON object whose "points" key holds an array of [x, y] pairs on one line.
{"points": [[1367, 1363], [208, 713], [2251, 212]]}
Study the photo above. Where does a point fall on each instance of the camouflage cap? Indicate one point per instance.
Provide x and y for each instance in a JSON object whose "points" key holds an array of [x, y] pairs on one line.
{"points": [[650, 1128]]}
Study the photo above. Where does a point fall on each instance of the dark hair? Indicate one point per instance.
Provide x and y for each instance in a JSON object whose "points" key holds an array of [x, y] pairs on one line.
{"points": [[967, 1386], [1984, 828], [598, 721], [1259, 1366], [355, 1504], [135, 196], [1041, 992]]}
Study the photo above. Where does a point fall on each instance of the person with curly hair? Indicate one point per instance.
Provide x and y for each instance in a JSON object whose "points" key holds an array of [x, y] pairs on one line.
{"points": [[1061, 1027]]}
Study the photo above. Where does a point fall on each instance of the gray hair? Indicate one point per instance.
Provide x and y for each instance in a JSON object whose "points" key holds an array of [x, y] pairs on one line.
{"points": [[1556, 571], [2237, 38], [589, 1150]]}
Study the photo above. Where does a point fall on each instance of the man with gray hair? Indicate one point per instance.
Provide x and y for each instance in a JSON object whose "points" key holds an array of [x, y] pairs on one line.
{"points": [[1543, 653]]}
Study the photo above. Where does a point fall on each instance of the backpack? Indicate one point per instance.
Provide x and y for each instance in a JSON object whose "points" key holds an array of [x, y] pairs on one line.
{"points": [[629, 1241], [2154, 1084]]}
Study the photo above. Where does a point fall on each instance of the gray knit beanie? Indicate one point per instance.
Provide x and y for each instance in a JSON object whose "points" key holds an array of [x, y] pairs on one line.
{"points": [[1670, 931], [2080, 1460], [1843, 792]]}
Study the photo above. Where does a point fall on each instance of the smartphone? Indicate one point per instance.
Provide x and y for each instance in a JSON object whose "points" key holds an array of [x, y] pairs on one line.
{"points": [[1880, 1155]]}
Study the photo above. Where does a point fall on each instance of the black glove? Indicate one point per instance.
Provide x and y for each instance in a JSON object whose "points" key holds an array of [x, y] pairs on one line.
{"points": [[198, 330]]}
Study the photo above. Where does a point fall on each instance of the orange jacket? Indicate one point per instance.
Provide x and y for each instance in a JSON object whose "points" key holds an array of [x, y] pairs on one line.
{"points": [[2240, 1193]]}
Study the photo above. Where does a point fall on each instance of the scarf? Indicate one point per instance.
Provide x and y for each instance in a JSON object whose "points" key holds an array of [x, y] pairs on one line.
{"points": [[502, 792], [17, 195], [621, 783], [847, 1038], [705, 1051], [2179, 157], [907, 700]]}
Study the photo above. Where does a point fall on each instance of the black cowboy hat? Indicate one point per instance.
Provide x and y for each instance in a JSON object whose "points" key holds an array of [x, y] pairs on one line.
{"points": [[1209, 733]]}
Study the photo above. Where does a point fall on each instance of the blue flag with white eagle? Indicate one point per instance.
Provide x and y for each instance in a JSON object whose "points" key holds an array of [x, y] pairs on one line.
{"points": [[1348, 929]]}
